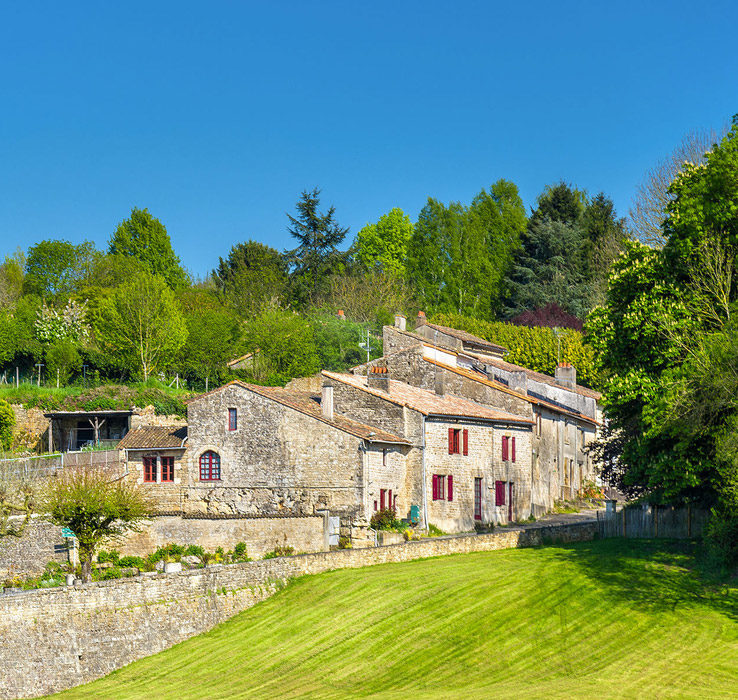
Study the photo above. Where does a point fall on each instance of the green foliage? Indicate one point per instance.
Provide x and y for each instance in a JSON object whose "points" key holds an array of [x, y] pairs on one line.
{"points": [[131, 562], [565, 254], [142, 321], [7, 423], [317, 255], [144, 237], [240, 550], [56, 268], [112, 556], [63, 360], [435, 531], [338, 342], [384, 245], [536, 348], [386, 519], [11, 279], [252, 278], [94, 505], [280, 551], [283, 344]]}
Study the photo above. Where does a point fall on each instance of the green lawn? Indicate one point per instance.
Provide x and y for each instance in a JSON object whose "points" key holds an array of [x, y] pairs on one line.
{"points": [[600, 619]]}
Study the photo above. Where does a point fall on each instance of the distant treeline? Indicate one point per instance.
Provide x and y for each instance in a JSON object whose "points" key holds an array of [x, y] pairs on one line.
{"points": [[132, 312]]}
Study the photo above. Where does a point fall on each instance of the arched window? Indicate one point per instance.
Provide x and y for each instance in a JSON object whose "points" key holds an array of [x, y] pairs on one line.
{"points": [[209, 466]]}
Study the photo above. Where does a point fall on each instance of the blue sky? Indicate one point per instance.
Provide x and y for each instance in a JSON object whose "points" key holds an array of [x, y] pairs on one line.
{"points": [[216, 115]]}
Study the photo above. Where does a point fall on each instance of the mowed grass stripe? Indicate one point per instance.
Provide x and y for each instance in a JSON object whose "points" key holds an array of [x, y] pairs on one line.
{"points": [[611, 618]]}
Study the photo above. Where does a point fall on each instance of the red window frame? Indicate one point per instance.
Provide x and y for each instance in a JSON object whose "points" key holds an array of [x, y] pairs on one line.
{"points": [[466, 442], [512, 449], [477, 498], [505, 448], [232, 419], [209, 466], [500, 493], [167, 469], [382, 498], [439, 487], [450, 487], [149, 469], [454, 435]]}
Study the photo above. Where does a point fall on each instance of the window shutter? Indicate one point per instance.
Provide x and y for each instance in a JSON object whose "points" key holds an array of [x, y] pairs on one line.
{"points": [[513, 449], [390, 502], [466, 441], [499, 493], [451, 487], [450, 441], [435, 487], [504, 448]]}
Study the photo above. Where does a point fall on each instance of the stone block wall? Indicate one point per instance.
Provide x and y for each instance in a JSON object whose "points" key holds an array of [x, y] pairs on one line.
{"points": [[57, 638], [27, 555], [261, 535]]}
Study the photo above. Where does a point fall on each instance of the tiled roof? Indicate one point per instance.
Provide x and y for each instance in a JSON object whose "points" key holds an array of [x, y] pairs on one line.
{"points": [[543, 378], [502, 387], [309, 404], [465, 337], [429, 403], [154, 437]]}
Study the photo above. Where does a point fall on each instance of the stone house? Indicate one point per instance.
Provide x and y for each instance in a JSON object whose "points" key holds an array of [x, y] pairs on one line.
{"points": [[153, 455], [269, 451], [468, 463], [566, 416]]}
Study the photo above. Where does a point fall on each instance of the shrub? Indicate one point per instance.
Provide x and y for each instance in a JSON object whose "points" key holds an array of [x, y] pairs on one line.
{"points": [[113, 556], [7, 423], [434, 531], [167, 552], [386, 519], [280, 551], [194, 550], [721, 537], [132, 562]]}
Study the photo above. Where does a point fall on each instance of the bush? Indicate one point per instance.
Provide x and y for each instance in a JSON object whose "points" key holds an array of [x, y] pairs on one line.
{"points": [[132, 563], [721, 537], [386, 519], [434, 531], [194, 550], [280, 551], [7, 423], [167, 552], [240, 553], [113, 556]]}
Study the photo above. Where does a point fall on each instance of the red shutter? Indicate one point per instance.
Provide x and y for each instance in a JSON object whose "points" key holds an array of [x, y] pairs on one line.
{"points": [[391, 503], [499, 493], [450, 441], [451, 486], [504, 448], [466, 441], [381, 499], [513, 449], [435, 487]]}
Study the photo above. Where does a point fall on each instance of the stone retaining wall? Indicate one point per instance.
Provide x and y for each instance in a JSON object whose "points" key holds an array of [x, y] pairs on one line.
{"points": [[57, 638]]}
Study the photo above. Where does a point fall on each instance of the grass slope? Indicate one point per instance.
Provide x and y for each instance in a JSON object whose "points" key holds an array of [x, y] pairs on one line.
{"points": [[609, 619]]}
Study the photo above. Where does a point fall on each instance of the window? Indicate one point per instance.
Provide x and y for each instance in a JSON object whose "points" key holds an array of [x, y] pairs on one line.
{"points": [[375, 505], [508, 448], [382, 498], [443, 487], [477, 498], [232, 419], [453, 440], [209, 466], [499, 493], [149, 465], [167, 468]]}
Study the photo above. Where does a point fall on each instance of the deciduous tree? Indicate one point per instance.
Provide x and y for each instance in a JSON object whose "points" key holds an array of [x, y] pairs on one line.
{"points": [[383, 246]]}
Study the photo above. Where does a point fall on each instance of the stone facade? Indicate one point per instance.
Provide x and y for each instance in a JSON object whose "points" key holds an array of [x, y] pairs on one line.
{"points": [[27, 555], [54, 639]]}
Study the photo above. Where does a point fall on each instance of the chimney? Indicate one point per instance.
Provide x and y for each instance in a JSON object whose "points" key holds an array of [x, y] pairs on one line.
{"points": [[518, 381], [400, 322], [421, 319], [340, 315], [566, 375], [378, 378], [440, 382], [326, 402]]}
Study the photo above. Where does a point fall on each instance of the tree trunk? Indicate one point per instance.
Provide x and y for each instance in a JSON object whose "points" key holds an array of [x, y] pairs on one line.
{"points": [[85, 557]]}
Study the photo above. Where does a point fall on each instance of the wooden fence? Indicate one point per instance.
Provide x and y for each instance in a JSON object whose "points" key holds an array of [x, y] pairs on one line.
{"points": [[31, 468], [653, 521]]}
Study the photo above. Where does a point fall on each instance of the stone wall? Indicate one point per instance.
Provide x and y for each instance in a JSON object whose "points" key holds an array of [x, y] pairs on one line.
{"points": [[57, 638], [147, 416], [31, 427], [27, 555], [261, 535]]}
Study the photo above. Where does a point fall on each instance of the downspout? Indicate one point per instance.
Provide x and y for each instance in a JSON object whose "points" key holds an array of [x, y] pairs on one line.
{"points": [[425, 490]]}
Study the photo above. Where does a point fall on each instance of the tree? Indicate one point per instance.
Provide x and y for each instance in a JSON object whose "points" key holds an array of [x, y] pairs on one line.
{"points": [[317, 256], [283, 345], [384, 245], [648, 212], [252, 278], [142, 321], [94, 504], [63, 360], [11, 278], [56, 268], [211, 337], [144, 237]]}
